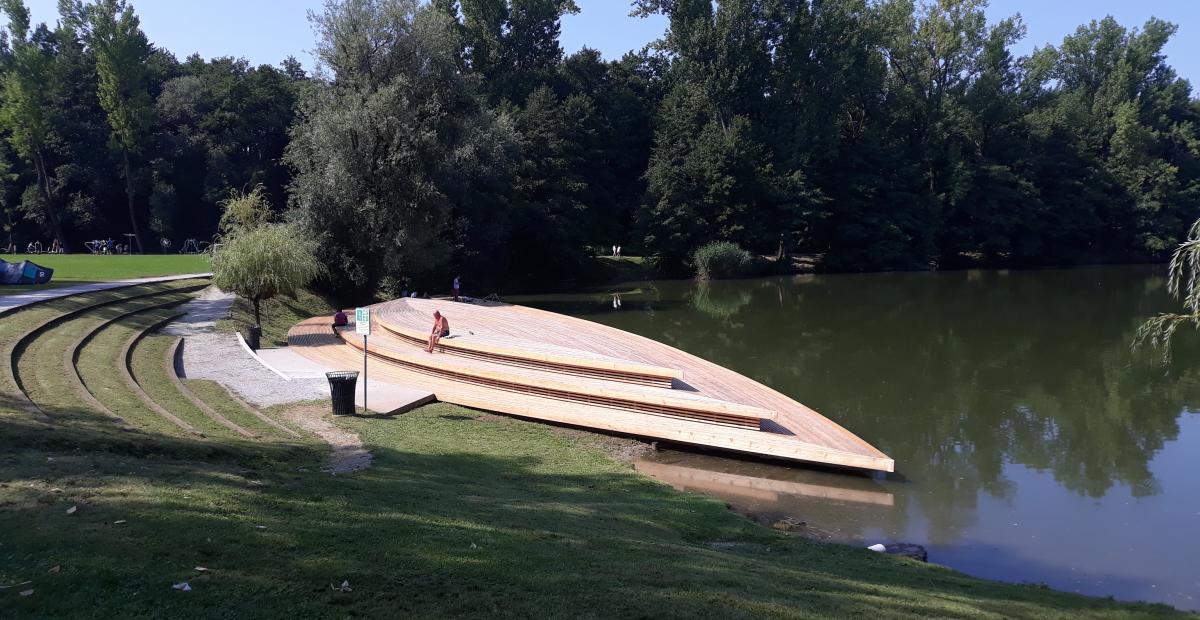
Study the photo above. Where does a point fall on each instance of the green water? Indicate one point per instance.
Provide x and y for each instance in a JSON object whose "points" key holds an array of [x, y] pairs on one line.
{"points": [[1031, 444]]}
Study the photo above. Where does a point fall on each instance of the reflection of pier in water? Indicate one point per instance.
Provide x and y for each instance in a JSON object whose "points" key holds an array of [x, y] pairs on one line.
{"points": [[754, 486]]}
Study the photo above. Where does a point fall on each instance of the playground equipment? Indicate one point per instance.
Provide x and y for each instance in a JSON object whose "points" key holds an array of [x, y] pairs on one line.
{"points": [[191, 246]]}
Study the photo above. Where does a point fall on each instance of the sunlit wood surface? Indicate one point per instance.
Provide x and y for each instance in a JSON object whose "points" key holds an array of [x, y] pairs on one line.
{"points": [[537, 364]]}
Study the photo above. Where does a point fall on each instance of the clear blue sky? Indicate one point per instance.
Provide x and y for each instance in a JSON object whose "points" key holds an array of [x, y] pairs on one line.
{"points": [[266, 31]]}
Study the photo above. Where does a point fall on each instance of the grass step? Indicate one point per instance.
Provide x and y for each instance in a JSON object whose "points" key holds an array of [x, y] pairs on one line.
{"points": [[100, 363], [168, 370], [47, 363], [20, 328], [218, 398]]}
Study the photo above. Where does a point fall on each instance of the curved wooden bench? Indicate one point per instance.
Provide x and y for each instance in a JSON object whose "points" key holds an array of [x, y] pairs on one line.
{"points": [[13, 352], [71, 357], [173, 356], [132, 384], [214, 415], [554, 359], [640, 399]]}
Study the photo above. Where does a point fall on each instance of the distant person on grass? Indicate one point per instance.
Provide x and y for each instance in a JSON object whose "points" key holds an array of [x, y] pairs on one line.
{"points": [[441, 329], [456, 286]]}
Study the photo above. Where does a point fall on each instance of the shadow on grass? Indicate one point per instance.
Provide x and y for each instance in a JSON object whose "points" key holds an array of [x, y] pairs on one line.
{"points": [[456, 517]]}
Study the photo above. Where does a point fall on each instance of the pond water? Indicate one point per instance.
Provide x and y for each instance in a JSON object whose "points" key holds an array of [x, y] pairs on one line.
{"points": [[1031, 444]]}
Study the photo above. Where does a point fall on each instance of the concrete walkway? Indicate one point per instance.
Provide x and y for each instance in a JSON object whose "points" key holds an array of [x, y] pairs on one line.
{"points": [[382, 397], [8, 303]]}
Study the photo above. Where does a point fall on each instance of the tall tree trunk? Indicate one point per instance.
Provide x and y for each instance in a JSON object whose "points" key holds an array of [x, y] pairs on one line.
{"points": [[137, 233], [43, 183], [257, 312]]}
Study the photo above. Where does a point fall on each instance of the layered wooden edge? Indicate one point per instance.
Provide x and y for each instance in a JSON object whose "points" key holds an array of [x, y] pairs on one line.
{"points": [[615, 370]]}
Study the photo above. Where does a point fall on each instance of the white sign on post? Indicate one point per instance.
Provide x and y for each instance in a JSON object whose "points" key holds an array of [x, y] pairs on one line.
{"points": [[362, 321], [362, 325]]}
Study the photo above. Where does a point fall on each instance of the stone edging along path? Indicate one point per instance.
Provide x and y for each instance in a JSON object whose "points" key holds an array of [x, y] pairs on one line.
{"points": [[8, 303]]}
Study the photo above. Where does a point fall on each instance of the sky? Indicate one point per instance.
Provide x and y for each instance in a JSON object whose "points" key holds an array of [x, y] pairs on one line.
{"points": [[267, 31]]}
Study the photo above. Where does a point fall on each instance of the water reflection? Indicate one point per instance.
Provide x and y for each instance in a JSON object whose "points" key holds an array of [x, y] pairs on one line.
{"points": [[995, 392]]}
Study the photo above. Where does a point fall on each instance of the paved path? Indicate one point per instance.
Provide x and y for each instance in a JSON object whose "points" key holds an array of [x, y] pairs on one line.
{"points": [[9, 303]]}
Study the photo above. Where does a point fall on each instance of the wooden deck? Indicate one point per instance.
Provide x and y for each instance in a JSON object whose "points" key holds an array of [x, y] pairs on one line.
{"points": [[542, 365]]}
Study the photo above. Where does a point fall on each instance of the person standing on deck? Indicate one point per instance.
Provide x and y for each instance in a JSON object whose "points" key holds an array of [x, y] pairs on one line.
{"points": [[441, 329], [455, 286]]}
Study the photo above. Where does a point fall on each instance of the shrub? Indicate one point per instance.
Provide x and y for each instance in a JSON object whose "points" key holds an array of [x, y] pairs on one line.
{"points": [[721, 259], [260, 263]]}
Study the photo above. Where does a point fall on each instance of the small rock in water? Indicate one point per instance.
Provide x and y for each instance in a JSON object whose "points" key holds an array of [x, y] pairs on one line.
{"points": [[788, 524], [916, 552], [878, 548]]}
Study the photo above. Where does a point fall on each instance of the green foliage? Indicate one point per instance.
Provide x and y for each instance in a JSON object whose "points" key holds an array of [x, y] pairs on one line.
{"points": [[1183, 282], [260, 263], [456, 136], [245, 211], [721, 259], [121, 51], [392, 155]]}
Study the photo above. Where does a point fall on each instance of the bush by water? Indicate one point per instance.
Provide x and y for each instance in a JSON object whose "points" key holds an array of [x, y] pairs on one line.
{"points": [[721, 259]]}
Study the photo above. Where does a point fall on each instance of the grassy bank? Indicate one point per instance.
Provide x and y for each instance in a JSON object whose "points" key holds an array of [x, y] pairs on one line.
{"points": [[461, 513], [72, 269], [279, 314]]}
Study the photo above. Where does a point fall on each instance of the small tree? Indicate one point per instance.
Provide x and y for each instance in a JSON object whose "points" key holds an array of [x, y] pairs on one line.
{"points": [[261, 262], [1183, 282]]}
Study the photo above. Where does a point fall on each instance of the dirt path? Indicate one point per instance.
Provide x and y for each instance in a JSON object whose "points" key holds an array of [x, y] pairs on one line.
{"points": [[348, 455]]}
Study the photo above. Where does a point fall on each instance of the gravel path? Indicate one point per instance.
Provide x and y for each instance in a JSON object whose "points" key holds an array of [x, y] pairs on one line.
{"points": [[208, 354], [219, 357]]}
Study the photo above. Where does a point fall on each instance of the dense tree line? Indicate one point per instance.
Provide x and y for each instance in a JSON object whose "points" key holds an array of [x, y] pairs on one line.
{"points": [[107, 135], [456, 135]]}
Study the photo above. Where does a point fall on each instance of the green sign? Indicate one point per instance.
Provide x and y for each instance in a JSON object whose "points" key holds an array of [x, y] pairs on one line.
{"points": [[362, 321]]}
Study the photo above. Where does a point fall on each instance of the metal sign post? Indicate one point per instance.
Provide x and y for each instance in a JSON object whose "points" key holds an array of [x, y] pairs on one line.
{"points": [[362, 325]]}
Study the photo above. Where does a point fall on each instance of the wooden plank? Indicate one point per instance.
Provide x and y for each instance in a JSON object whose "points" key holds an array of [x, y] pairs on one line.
{"points": [[510, 351], [769, 489], [536, 378]]}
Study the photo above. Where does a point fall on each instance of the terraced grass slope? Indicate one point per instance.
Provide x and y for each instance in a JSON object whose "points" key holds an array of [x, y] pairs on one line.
{"points": [[94, 364]]}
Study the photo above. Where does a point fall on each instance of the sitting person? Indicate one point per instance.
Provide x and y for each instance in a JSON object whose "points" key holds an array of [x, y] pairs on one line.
{"points": [[340, 320], [441, 329]]}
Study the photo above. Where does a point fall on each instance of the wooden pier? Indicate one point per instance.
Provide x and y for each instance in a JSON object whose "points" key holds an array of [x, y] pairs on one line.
{"points": [[546, 366]]}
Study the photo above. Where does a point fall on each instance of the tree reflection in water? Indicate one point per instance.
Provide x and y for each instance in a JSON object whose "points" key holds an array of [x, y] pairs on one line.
{"points": [[953, 374]]}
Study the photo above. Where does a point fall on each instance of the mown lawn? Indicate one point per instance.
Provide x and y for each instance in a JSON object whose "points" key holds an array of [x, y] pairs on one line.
{"points": [[79, 268], [461, 514]]}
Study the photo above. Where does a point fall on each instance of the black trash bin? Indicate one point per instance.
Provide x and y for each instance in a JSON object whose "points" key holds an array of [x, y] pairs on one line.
{"points": [[341, 388], [254, 338]]}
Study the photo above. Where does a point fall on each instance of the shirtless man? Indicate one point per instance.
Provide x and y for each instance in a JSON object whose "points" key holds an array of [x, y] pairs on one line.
{"points": [[441, 329]]}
